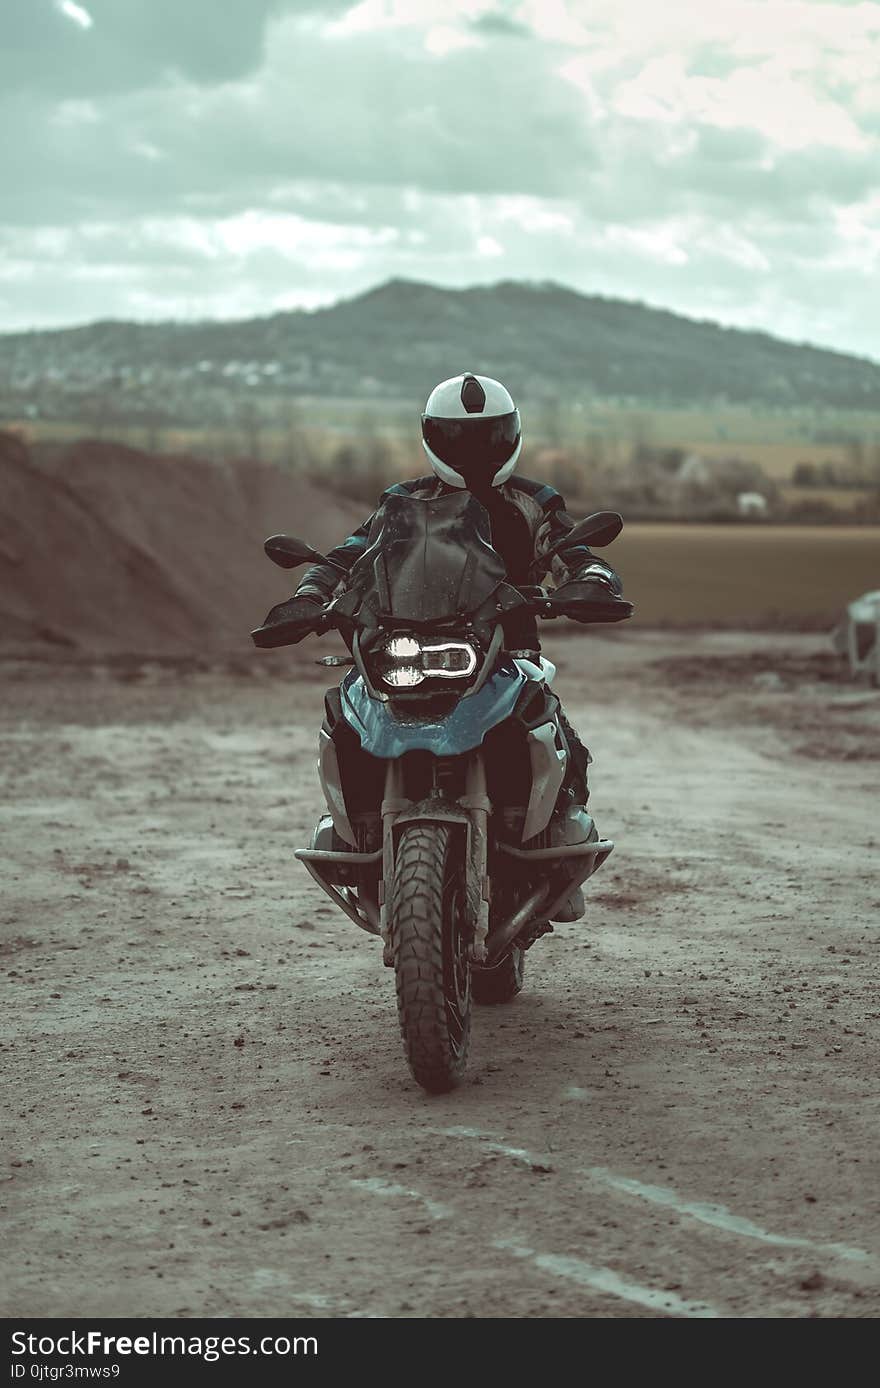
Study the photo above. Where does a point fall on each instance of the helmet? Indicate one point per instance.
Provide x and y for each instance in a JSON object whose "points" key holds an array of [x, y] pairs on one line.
{"points": [[471, 431]]}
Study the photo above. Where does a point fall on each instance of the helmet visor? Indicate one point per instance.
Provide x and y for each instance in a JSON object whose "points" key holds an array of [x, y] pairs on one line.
{"points": [[476, 447]]}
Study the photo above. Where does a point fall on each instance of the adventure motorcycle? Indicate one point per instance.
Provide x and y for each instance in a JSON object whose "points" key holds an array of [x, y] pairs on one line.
{"points": [[441, 759]]}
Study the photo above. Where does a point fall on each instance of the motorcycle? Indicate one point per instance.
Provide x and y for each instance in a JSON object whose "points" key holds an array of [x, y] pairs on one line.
{"points": [[441, 760]]}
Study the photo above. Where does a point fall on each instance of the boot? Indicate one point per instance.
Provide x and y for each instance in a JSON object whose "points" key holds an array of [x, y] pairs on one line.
{"points": [[572, 824]]}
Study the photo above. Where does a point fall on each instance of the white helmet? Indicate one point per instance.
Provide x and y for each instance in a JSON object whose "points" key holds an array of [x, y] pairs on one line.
{"points": [[471, 431]]}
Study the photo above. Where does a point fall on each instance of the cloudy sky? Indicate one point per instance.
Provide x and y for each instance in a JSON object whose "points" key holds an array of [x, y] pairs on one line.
{"points": [[214, 158]]}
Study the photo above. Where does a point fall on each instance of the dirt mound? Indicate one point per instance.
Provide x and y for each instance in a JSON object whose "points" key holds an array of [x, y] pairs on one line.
{"points": [[104, 548]]}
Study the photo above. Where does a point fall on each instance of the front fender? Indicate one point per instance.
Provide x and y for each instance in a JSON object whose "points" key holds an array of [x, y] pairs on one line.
{"points": [[385, 732], [430, 812]]}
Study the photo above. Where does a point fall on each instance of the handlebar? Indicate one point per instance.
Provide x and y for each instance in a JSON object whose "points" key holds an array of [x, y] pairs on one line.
{"points": [[537, 599], [289, 633], [606, 609]]}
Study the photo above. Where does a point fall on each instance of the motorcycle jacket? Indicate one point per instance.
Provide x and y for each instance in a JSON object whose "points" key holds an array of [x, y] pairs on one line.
{"points": [[527, 518]]}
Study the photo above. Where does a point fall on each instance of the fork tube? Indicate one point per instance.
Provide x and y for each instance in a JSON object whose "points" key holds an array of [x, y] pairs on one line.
{"points": [[392, 803], [477, 802]]}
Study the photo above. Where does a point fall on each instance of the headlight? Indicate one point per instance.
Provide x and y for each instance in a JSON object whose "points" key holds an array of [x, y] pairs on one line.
{"points": [[404, 661], [402, 676], [451, 659], [403, 648]]}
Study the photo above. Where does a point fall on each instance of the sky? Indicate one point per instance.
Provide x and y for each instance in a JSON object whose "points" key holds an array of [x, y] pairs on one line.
{"points": [[228, 158]]}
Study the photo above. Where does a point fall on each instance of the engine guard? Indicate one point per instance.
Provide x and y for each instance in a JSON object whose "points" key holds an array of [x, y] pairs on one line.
{"points": [[364, 913], [584, 859]]}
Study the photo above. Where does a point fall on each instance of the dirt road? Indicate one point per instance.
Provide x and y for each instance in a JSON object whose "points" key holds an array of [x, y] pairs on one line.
{"points": [[206, 1108]]}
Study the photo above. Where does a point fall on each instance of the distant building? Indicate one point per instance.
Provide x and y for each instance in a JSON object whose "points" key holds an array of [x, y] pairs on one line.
{"points": [[731, 475], [751, 504]]}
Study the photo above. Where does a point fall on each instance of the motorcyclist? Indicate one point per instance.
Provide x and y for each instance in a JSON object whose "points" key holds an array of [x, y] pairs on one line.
{"points": [[471, 433]]}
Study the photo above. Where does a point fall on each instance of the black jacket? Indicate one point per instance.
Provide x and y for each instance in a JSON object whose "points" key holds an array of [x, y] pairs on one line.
{"points": [[527, 519]]}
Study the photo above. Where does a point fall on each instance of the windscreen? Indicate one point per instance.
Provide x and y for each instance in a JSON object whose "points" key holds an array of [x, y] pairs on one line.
{"points": [[428, 559]]}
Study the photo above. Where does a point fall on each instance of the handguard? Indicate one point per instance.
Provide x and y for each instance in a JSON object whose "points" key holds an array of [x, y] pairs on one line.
{"points": [[587, 601], [289, 623]]}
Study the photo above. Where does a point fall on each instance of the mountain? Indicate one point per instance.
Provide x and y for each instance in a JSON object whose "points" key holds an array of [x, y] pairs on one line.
{"points": [[396, 341]]}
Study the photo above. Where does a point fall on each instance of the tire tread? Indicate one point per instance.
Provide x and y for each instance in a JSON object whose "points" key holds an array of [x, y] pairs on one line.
{"points": [[417, 944]]}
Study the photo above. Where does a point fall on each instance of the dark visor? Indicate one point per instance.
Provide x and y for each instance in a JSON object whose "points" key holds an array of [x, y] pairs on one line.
{"points": [[474, 447]]}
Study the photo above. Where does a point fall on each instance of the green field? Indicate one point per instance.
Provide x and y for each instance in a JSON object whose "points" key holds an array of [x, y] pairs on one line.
{"points": [[745, 574]]}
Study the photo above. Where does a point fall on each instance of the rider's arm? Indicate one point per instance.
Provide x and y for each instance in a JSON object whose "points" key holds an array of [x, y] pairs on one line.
{"points": [[320, 580], [287, 621], [573, 562]]}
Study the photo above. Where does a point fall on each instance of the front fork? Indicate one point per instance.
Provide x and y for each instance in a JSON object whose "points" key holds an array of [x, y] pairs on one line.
{"points": [[394, 803], [473, 810], [476, 801]]}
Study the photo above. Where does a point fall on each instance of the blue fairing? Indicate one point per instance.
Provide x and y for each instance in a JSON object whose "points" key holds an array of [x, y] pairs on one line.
{"points": [[385, 733]]}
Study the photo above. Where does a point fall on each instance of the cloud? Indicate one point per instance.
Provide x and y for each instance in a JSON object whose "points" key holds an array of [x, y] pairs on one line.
{"points": [[71, 10], [497, 24], [197, 157], [118, 45], [395, 112]]}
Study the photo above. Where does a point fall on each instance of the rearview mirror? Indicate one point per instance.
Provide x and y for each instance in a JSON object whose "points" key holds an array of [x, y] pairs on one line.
{"points": [[597, 530], [288, 552]]}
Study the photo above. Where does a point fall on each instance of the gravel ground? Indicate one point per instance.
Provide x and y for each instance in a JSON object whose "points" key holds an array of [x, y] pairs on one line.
{"points": [[206, 1107]]}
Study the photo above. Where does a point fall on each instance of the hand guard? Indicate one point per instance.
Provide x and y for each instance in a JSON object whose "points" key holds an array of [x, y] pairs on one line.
{"points": [[289, 622], [588, 600]]}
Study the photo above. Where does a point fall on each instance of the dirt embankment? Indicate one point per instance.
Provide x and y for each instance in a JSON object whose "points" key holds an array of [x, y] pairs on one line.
{"points": [[107, 549]]}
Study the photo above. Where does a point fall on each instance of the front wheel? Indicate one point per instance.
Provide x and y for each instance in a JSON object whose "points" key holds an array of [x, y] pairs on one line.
{"points": [[503, 982], [430, 955]]}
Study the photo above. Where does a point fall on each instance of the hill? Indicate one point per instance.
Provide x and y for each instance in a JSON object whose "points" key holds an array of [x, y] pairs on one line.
{"points": [[397, 340]]}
